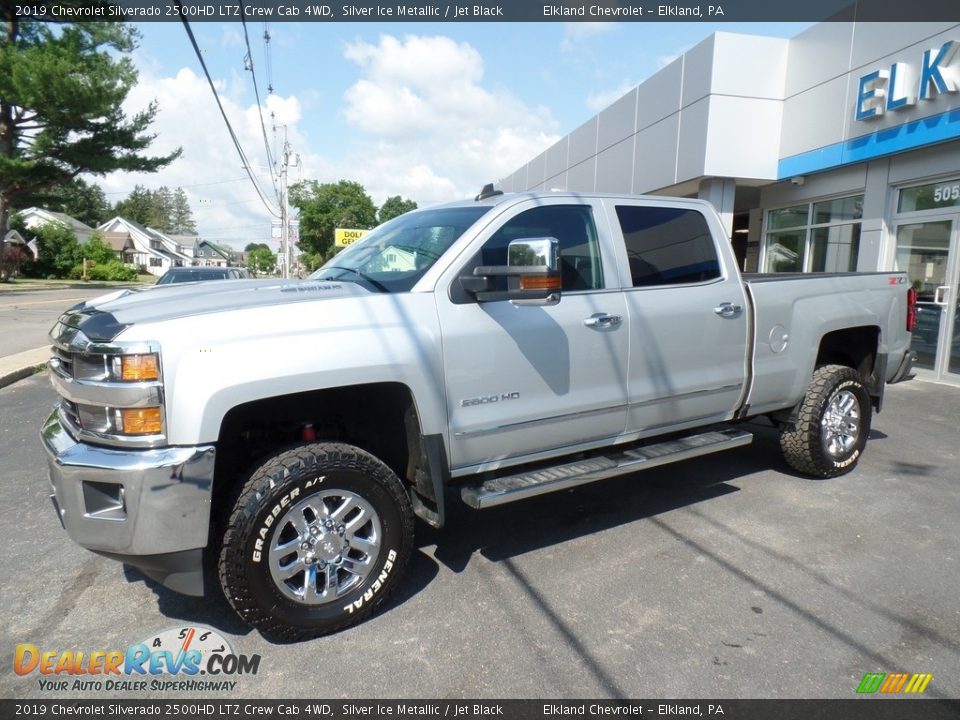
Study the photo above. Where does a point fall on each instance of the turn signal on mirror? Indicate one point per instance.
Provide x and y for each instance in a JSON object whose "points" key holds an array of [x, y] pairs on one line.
{"points": [[540, 282]]}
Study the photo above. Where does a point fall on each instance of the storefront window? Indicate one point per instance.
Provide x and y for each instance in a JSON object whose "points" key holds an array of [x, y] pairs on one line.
{"points": [[795, 216], [840, 210], [785, 251], [834, 249], [930, 197], [814, 237]]}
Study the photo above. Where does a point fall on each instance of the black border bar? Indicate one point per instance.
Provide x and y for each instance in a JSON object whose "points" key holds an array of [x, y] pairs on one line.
{"points": [[488, 10], [876, 708]]}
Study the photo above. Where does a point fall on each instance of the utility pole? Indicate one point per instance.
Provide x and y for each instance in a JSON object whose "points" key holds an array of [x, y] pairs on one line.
{"points": [[285, 208]]}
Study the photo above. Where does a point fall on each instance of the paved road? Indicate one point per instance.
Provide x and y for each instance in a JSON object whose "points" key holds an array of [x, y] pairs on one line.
{"points": [[26, 316], [724, 577]]}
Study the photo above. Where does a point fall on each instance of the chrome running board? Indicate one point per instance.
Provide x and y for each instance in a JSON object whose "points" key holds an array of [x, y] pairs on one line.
{"points": [[560, 477]]}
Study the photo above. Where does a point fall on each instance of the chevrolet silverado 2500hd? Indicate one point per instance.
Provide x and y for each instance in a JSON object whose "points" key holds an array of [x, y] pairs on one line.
{"points": [[500, 348]]}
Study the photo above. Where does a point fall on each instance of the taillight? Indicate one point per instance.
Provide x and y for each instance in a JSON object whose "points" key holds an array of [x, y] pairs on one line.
{"points": [[911, 309]]}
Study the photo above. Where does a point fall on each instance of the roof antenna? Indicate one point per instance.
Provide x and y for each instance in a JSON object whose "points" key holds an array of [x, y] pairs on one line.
{"points": [[488, 191]]}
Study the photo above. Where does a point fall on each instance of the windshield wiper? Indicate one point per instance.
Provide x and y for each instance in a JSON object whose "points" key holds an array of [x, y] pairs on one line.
{"points": [[363, 276]]}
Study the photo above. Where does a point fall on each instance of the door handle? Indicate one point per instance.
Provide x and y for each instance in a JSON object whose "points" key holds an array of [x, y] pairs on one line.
{"points": [[940, 295], [602, 320], [728, 310]]}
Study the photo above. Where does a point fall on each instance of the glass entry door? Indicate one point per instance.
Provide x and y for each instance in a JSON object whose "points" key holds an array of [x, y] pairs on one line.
{"points": [[924, 253]]}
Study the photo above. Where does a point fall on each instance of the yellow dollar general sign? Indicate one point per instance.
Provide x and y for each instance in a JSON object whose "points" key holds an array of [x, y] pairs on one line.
{"points": [[347, 236], [893, 683]]}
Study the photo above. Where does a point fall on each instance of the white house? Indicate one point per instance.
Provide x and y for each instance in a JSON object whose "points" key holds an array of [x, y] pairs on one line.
{"points": [[152, 250], [35, 217]]}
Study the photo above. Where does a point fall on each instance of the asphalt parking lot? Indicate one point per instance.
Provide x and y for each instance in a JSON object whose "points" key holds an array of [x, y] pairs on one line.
{"points": [[725, 577]]}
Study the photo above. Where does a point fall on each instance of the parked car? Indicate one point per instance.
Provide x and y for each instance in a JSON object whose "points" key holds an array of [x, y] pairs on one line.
{"points": [[198, 274], [505, 347]]}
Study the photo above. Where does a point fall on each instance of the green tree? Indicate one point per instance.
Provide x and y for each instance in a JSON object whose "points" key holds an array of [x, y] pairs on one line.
{"points": [[62, 89], [161, 210], [326, 206], [261, 260], [181, 218], [394, 207], [137, 206], [253, 246], [57, 251], [97, 251]]}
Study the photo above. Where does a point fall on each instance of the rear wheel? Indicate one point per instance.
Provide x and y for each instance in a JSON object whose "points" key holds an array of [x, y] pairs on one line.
{"points": [[832, 425], [316, 541]]}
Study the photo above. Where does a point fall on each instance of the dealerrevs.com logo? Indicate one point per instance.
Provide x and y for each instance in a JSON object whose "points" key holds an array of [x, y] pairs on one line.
{"points": [[170, 660]]}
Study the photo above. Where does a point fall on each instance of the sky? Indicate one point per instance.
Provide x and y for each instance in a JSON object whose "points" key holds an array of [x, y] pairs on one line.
{"points": [[427, 111]]}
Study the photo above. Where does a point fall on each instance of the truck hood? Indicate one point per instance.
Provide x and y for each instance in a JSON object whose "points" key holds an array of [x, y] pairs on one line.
{"points": [[104, 317]]}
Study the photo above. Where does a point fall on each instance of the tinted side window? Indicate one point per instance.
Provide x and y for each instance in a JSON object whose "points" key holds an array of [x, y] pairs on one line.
{"points": [[667, 246], [572, 225]]}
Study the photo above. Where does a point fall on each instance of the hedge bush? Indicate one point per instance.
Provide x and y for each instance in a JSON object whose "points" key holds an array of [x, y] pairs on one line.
{"points": [[113, 270]]}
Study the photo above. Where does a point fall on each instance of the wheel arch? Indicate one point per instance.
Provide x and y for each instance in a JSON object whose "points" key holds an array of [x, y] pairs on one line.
{"points": [[380, 418], [854, 347]]}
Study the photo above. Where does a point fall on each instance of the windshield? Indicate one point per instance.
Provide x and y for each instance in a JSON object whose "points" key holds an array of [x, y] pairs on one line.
{"points": [[182, 277], [398, 253]]}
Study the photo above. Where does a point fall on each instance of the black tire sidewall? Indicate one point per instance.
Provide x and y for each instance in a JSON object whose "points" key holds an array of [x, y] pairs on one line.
{"points": [[852, 382], [296, 487]]}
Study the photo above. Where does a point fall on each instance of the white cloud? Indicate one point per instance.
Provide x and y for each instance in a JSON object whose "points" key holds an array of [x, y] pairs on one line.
{"points": [[603, 99], [423, 125], [231, 37], [574, 33], [431, 126], [189, 118]]}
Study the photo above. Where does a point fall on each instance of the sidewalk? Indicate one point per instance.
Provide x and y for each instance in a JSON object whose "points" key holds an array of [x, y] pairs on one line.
{"points": [[16, 367]]}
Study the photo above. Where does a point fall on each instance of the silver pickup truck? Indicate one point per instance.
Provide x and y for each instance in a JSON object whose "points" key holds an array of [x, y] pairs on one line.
{"points": [[289, 432]]}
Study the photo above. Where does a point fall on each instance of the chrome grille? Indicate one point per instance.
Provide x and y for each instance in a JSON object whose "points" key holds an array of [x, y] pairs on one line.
{"points": [[71, 412], [65, 359]]}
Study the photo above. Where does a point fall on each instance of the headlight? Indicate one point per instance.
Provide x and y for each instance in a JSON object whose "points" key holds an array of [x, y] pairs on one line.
{"points": [[139, 368], [111, 393]]}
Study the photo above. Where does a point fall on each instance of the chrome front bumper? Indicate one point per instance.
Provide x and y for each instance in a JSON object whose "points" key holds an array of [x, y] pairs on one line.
{"points": [[148, 508]]}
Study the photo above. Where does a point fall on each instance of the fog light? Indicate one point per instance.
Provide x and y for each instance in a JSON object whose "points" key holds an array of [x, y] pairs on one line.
{"points": [[139, 368], [140, 421]]}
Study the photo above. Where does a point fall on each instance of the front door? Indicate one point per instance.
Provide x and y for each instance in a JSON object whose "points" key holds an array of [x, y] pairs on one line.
{"points": [[529, 381], [928, 252]]}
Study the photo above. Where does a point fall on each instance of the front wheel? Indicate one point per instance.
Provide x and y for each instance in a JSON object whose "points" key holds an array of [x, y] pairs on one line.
{"points": [[832, 425], [317, 539]]}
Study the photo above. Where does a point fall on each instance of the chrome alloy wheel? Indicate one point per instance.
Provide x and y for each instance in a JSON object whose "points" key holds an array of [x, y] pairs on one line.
{"points": [[840, 426], [324, 547]]}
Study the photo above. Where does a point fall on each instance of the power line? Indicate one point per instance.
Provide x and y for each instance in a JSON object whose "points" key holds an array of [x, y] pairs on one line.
{"points": [[268, 63], [195, 185], [267, 57], [256, 92], [226, 120]]}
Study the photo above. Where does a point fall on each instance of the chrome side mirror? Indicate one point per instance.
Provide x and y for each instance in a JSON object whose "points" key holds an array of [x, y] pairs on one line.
{"points": [[532, 272]]}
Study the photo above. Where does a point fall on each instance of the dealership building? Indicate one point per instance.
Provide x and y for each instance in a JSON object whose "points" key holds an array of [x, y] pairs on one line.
{"points": [[835, 150]]}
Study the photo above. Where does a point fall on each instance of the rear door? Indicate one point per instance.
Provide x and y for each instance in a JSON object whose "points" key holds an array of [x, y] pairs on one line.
{"points": [[688, 316], [527, 381]]}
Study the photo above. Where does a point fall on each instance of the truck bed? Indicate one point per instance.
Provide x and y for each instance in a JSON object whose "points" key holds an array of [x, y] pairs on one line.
{"points": [[793, 312]]}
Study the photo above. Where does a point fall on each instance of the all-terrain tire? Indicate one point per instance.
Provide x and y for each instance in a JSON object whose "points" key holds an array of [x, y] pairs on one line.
{"points": [[832, 425], [330, 509]]}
